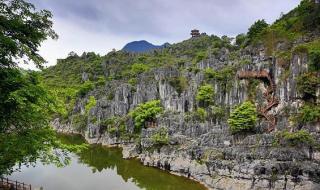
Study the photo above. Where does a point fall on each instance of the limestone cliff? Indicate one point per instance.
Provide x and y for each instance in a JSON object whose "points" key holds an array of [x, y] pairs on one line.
{"points": [[203, 147]]}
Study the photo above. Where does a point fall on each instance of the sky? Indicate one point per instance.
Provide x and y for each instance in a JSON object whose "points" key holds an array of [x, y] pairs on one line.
{"points": [[101, 25]]}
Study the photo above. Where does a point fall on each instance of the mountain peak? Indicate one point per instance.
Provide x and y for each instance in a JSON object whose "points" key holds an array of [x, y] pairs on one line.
{"points": [[141, 46]]}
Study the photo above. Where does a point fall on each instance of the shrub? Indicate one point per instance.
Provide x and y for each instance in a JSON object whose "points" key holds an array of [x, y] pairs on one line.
{"points": [[109, 124], [314, 57], [139, 68], [101, 81], [307, 84], [223, 77], [112, 130], [90, 104], [205, 95], [217, 112], [308, 113], [179, 83], [301, 137], [110, 96], [201, 114], [243, 118], [200, 56], [85, 88], [161, 137], [79, 122], [145, 112]]}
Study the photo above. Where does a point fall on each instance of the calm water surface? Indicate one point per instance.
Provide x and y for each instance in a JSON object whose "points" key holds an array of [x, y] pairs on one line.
{"points": [[101, 168]]}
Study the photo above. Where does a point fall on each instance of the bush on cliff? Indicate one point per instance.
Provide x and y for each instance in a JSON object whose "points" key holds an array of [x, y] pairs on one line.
{"points": [[85, 88], [307, 84], [243, 118], [90, 104], [179, 83], [146, 112], [296, 138], [161, 137], [205, 95], [308, 113]]}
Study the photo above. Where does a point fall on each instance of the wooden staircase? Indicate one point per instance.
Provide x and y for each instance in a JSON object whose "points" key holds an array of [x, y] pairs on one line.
{"points": [[272, 100]]}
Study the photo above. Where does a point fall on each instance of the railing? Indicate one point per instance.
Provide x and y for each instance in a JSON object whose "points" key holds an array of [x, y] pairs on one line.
{"points": [[273, 101], [7, 184]]}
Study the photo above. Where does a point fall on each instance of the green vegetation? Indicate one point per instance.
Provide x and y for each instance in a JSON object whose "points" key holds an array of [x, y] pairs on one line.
{"points": [[201, 114], [224, 76], [308, 113], [116, 126], [252, 88], [200, 56], [145, 112], [243, 118], [179, 83], [297, 23], [161, 137], [67, 73], [90, 104], [139, 68], [256, 30], [307, 84], [85, 88], [22, 31], [241, 40], [79, 122], [217, 112], [198, 115], [301, 137], [25, 105], [205, 95], [28, 101]]}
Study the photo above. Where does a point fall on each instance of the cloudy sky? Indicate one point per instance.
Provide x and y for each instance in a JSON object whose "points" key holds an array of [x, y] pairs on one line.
{"points": [[100, 25]]}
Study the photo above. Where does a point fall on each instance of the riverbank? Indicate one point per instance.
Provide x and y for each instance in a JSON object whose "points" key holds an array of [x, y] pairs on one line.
{"points": [[226, 166], [129, 151], [100, 167]]}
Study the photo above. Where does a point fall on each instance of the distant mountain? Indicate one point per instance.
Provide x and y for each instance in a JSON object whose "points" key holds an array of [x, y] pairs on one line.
{"points": [[141, 46]]}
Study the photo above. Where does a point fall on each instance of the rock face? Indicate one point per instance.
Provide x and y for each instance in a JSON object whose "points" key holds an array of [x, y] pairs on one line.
{"points": [[206, 151]]}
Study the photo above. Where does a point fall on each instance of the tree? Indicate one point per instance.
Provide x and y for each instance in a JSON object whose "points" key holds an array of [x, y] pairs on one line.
{"points": [[241, 40], [256, 29], [25, 106], [25, 109], [243, 118], [145, 112], [22, 29], [205, 95]]}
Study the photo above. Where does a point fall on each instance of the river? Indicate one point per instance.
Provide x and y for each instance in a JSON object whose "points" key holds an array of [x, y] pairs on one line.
{"points": [[99, 168]]}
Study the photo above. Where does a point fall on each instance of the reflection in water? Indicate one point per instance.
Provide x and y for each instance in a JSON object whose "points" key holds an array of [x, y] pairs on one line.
{"points": [[102, 168]]}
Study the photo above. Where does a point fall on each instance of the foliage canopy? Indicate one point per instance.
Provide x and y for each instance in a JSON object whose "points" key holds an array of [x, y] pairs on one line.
{"points": [[146, 112], [205, 95], [22, 31], [243, 118]]}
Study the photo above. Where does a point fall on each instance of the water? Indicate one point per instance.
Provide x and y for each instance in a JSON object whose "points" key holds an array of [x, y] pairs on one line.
{"points": [[101, 168]]}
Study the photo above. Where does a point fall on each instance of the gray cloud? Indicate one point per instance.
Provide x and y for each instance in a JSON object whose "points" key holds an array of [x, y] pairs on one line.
{"points": [[100, 25], [166, 17]]}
